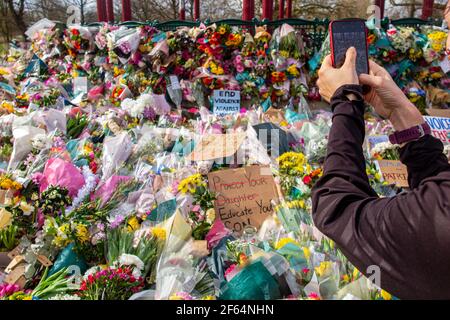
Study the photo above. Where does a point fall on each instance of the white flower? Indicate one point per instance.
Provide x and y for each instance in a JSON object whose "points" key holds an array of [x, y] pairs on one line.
{"points": [[381, 147], [91, 271], [26, 208], [131, 260], [62, 296], [40, 142]]}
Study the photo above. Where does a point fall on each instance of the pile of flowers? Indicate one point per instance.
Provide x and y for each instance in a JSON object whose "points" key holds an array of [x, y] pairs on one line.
{"points": [[100, 198]]}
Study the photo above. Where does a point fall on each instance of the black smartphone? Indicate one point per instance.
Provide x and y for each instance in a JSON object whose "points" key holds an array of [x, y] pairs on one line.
{"points": [[345, 34]]}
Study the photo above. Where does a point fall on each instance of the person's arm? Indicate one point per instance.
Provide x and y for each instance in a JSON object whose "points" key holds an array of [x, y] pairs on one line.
{"points": [[398, 235], [345, 156], [424, 158]]}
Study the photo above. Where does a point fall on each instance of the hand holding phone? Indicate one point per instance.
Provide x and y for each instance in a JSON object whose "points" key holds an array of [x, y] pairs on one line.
{"points": [[331, 78], [345, 34]]}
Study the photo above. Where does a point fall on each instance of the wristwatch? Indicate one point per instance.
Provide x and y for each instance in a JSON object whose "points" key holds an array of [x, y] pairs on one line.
{"points": [[414, 133]]}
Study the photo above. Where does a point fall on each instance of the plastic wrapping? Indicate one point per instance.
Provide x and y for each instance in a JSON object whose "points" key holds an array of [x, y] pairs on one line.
{"points": [[116, 151]]}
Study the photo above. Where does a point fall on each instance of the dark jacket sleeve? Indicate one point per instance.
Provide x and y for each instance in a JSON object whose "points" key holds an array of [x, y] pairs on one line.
{"points": [[424, 158], [405, 236]]}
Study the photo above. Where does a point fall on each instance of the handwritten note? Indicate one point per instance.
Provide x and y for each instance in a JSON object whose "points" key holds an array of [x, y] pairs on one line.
{"points": [[244, 196], [394, 172], [226, 102]]}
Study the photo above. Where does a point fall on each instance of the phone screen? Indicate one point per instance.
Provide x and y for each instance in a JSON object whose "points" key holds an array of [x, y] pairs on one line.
{"points": [[346, 34]]}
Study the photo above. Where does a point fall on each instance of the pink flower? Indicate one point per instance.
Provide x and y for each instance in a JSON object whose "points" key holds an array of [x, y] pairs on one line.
{"points": [[196, 208], [240, 68], [8, 289], [230, 269]]}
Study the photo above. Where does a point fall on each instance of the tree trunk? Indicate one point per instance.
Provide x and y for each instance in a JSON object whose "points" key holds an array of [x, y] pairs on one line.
{"points": [[18, 16]]}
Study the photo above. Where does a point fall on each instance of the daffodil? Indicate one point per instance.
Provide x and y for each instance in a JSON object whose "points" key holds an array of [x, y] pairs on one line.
{"points": [[159, 233], [324, 269], [133, 224]]}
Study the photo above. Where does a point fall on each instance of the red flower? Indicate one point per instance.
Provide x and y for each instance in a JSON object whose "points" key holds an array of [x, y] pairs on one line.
{"points": [[93, 166], [307, 180], [75, 32]]}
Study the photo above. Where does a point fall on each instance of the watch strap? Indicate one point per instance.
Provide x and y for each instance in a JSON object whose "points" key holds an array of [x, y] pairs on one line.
{"points": [[414, 133]]}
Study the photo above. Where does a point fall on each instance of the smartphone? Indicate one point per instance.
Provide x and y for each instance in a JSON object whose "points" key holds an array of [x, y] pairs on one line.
{"points": [[345, 34]]}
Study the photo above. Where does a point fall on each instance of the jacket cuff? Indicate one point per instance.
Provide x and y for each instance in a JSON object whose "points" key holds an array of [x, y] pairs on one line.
{"points": [[341, 95]]}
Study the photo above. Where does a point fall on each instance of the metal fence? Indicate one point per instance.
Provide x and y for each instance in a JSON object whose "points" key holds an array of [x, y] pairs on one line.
{"points": [[314, 31]]}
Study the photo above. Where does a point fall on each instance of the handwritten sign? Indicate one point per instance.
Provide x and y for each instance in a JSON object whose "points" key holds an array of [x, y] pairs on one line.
{"points": [[394, 172], [244, 196], [226, 102], [440, 128], [215, 146]]}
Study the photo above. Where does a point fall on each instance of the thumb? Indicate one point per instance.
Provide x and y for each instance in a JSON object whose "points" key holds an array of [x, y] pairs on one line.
{"points": [[370, 80], [350, 58]]}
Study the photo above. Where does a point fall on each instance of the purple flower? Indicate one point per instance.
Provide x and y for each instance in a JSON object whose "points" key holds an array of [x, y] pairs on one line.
{"points": [[117, 222], [149, 113]]}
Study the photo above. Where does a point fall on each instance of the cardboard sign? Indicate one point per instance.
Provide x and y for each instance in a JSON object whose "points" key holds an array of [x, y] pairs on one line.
{"points": [[394, 172], [243, 196], [16, 276], [44, 261], [443, 113], [440, 128], [226, 102], [15, 252], [215, 146]]}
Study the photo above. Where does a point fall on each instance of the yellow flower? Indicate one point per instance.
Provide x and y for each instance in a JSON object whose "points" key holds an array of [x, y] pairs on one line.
{"points": [[3, 72], [159, 233], [345, 278], [7, 106], [82, 233], [133, 224], [5, 218], [222, 30], [191, 183], [209, 298], [64, 228], [324, 269], [356, 273], [306, 252], [284, 241], [284, 53], [292, 69], [386, 295], [61, 241]]}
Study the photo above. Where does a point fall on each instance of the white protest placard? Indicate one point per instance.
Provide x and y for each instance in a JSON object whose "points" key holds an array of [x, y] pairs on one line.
{"points": [[226, 102], [440, 128]]}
